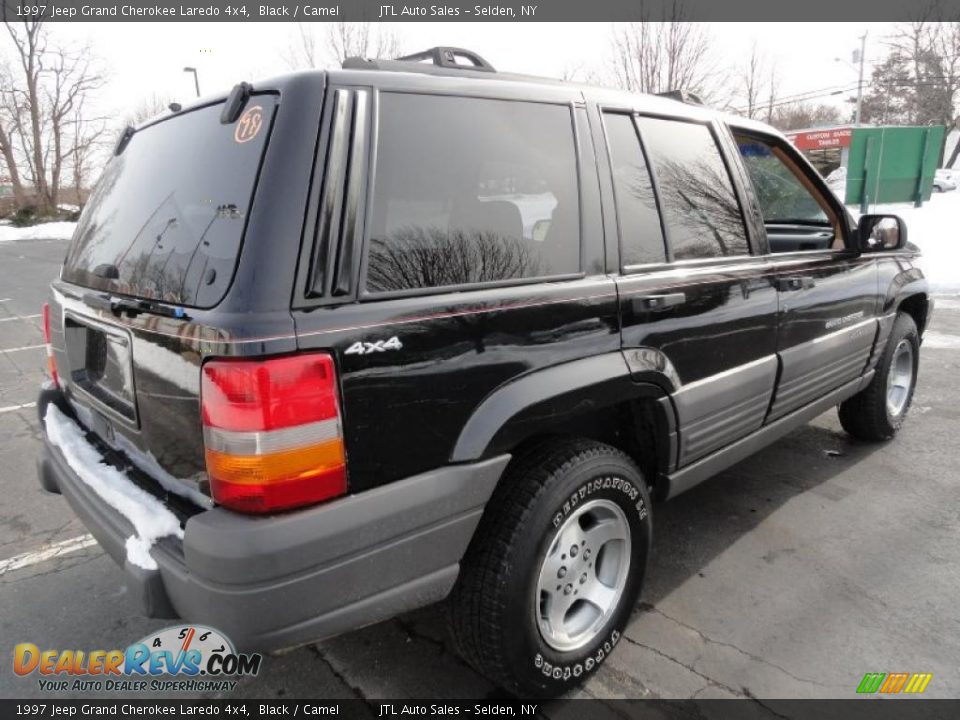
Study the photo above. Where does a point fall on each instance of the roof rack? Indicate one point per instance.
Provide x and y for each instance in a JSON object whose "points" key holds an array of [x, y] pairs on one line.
{"points": [[684, 96], [435, 61]]}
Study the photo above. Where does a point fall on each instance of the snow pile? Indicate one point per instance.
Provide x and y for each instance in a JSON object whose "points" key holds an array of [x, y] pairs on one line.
{"points": [[150, 519], [44, 231], [935, 229]]}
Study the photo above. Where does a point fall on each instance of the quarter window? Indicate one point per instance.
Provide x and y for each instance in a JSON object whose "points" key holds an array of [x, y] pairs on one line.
{"points": [[641, 238], [700, 209], [471, 191]]}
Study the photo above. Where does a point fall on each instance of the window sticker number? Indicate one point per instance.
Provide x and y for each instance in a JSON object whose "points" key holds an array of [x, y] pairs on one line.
{"points": [[367, 348]]}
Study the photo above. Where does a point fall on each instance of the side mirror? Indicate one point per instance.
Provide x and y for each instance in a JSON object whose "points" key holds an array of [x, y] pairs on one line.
{"points": [[881, 232]]}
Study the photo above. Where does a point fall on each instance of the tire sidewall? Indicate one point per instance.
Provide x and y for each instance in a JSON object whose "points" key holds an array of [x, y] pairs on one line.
{"points": [[904, 329], [534, 663]]}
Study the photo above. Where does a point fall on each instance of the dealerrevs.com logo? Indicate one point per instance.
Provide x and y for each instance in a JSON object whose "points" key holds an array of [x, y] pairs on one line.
{"points": [[191, 658]]}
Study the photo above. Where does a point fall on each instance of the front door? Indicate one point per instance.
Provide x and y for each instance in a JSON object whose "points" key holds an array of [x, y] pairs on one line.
{"points": [[827, 292]]}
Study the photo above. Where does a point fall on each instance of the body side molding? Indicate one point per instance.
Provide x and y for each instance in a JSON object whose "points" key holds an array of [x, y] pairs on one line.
{"points": [[709, 466]]}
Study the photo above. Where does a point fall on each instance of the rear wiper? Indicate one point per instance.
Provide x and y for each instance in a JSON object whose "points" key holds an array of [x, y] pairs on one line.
{"points": [[132, 307]]}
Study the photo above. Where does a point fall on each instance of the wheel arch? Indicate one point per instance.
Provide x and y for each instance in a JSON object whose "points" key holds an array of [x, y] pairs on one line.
{"points": [[916, 306], [595, 398]]}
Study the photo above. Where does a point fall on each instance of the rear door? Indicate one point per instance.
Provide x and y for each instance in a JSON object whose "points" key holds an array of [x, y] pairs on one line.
{"points": [[827, 293], [695, 302]]}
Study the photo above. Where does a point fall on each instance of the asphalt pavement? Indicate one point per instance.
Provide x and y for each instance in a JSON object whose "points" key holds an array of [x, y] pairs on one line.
{"points": [[790, 575]]}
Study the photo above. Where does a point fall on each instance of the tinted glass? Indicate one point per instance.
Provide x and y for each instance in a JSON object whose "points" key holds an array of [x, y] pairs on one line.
{"points": [[699, 206], [641, 238], [470, 191], [167, 217], [782, 197]]}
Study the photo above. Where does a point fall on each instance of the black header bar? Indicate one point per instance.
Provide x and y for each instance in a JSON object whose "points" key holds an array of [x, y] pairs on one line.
{"points": [[465, 10]]}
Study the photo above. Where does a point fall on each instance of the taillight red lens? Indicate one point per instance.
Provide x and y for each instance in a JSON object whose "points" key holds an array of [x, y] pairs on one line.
{"points": [[48, 339], [272, 432], [270, 394]]}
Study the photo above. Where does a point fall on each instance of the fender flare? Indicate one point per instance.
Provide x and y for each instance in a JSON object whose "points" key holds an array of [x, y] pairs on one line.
{"points": [[517, 409]]}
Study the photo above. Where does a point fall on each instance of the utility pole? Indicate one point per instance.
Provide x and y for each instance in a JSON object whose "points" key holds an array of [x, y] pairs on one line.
{"points": [[863, 53]]}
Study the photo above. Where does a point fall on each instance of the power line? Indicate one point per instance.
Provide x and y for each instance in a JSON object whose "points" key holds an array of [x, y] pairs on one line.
{"points": [[839, 90]]}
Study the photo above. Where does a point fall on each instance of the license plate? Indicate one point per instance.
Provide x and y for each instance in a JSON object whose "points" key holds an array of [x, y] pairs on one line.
{"points": [[100, 364]]}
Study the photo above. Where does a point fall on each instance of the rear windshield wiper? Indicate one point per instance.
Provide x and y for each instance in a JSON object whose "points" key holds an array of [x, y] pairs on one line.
{"points": [[131, 306]]}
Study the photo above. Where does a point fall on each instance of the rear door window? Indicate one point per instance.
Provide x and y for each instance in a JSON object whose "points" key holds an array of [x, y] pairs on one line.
{"points": [[471, 191], [167, 217], [641, 238], [700, 209]]}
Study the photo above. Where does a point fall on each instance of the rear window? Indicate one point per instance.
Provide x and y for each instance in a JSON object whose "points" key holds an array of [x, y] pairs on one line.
{"points": [[471, 191], [167, 217]]}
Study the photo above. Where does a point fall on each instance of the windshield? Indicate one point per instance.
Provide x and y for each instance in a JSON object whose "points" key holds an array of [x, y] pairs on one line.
{"points": [[167, 217]]}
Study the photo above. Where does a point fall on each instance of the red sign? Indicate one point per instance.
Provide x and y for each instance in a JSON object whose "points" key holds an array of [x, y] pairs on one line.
{"points": [[821, 139]]}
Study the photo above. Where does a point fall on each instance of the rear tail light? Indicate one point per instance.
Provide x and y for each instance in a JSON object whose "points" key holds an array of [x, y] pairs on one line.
{"points": [[271, 431], [47, 338]]}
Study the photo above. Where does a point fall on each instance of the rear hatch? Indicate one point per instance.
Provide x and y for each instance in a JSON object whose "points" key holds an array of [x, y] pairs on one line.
{"points": [[156, 248]]}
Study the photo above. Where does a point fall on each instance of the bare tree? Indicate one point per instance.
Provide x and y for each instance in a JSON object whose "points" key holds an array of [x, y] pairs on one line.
{"points": [[771, 96], [799, 115], [44, 104], [340, 41], [8, 129], [87, 137], [653, 57], [580, 73], [918, 82], [755, 82], [148, 107]]}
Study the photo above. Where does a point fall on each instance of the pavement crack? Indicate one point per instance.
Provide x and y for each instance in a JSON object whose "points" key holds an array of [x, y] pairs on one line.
{"points": [[355, 689], [707, 678], [743, 693], [646, 607], [442, 648], [766, 707]]}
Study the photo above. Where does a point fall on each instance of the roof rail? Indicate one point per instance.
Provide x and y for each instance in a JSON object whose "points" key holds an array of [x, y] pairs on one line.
{"points": [[684, 96], [429, 61]]}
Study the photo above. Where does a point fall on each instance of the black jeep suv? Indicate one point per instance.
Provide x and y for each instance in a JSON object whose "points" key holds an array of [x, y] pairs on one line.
{"points": [[343, 344]]}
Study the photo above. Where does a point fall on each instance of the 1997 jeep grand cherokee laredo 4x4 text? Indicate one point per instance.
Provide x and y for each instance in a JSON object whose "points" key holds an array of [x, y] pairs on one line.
{"points": [[373, 338]]}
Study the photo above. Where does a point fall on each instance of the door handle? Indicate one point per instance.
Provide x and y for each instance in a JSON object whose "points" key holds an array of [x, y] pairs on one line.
{"points": [[797, 282], [646, 303]]}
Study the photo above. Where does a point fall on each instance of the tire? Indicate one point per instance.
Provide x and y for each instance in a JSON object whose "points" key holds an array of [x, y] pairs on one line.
{"points": [[874, 413], [500, 621]]}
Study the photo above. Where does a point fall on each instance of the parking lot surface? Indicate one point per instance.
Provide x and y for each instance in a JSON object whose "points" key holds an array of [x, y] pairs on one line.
{"points": [[790, 575]]}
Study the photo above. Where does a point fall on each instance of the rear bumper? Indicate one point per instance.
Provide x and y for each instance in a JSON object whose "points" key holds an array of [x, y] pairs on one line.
{"points": [[275, 582]]}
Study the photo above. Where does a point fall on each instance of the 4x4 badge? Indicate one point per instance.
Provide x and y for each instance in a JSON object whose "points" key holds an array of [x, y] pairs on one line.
{"points": [[365, 348]]}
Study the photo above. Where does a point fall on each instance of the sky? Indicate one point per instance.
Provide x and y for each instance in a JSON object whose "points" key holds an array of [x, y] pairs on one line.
{"points": [[146, 59]]}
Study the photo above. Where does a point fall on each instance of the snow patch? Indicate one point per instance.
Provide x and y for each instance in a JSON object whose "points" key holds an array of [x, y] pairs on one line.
{"points": [[150, 519], [148, 463], [950, 302], [940, 341], [933, 228], [44, 231]]}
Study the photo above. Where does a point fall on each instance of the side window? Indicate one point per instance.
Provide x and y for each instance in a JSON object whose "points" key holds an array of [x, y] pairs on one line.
{"points": [[796, 215], [641, 238], [470, 191], [700, 209]]}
